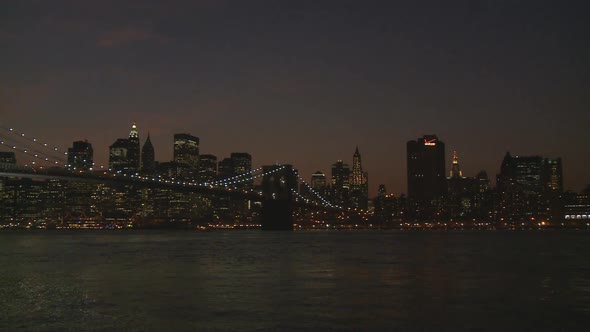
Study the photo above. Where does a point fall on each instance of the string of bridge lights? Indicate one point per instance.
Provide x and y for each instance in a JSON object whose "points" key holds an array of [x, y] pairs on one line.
{"points": [[320, 197], [34, 154], [34, 140], [240, 178], [256, 176], [229, 179]]}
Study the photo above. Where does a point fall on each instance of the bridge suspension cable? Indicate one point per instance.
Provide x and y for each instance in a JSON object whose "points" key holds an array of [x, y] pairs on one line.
{"points": [[34, 140], [34, 153], [255, 176], [230, 180], [320, 197]]}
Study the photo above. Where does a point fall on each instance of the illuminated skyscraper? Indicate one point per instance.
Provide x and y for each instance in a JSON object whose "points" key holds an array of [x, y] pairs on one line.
{"points": [[207, 168], [186, 156], [148, 157], [242, 163], [455, 167], [359, 183], [341, 183], [186, 150], [80, 156], [318, 181], [133, 149]]}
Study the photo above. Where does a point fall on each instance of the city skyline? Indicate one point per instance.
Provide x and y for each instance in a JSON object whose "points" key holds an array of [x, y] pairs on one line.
{"points": [[305, 83]]}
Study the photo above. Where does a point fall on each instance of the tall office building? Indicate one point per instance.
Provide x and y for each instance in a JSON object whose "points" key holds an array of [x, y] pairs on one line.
{"points": [[553, 175], [186, 156], [341, 183], [359, 182], [80, 156], [133, 150], [118, 156], [148, 157], [318, 181], [426, 169], [186, 150], [242, 163], [225, 169], [124, 154], [207, 168]]}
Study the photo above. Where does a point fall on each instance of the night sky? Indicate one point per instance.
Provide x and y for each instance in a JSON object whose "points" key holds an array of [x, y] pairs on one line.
{"points": [[304, 82]]}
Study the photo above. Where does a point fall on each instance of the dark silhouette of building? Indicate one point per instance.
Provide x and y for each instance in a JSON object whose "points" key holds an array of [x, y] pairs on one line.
{"points": [[148, 157], [427, 185], [80, 156], [7, 158], [225, 169], [426, 168], [277, 188]]}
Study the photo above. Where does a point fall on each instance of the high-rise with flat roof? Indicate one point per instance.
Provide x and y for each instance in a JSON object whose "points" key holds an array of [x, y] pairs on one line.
{"points": [[426, 169], [80, 156]]}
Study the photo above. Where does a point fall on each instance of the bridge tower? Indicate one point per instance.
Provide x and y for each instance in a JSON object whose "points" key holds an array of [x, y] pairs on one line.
{"points": [[277, 203]]}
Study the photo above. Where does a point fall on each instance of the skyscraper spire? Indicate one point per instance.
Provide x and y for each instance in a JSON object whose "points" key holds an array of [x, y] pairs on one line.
{"points": [[148, 156], [134, 133], [455, 168]]}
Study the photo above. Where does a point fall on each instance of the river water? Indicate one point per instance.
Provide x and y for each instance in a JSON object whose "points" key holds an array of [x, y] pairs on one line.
{"points": [[289, 281]]}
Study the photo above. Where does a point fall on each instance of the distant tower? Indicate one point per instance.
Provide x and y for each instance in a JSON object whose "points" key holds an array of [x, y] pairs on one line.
{"points": [[148, 157], [358, 183], [455, 168], [133, 150]]}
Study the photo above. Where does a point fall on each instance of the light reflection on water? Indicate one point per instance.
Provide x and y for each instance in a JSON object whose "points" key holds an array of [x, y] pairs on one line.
{"points": [[253, 280]]}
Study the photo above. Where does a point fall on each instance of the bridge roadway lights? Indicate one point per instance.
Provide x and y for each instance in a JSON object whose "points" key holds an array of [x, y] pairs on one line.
{"points": [[277, 215]]}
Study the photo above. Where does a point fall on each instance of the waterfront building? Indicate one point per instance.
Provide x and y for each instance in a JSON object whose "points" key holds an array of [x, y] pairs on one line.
{"points": [[528, 187]]}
